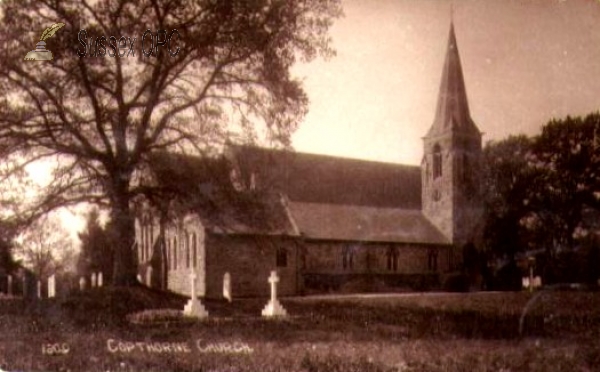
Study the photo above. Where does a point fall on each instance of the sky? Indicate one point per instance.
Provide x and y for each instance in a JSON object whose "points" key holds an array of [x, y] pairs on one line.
{"points": [[524, 61]]}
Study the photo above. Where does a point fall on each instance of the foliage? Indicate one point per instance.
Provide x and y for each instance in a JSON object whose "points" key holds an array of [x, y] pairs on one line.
{"points": [[96, 253], [543, 193], [568, 151], [507, 183], [46, 248], [99, 118]]}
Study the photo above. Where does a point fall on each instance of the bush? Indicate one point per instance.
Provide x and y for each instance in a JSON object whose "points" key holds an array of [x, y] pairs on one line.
{"points": [[456, 282]]}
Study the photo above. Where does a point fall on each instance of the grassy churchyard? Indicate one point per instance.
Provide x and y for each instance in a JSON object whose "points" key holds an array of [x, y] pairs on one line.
{"points": [[106, 329]]}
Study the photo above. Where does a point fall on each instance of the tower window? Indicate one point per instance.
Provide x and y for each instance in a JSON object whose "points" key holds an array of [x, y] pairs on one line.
{"points": [[437, 161]]}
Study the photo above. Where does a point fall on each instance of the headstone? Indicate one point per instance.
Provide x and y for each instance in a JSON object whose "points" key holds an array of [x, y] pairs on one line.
{"points": [[10, 285], [52, 286], [82, 284], [537, 282], [227, 286], [194, 307], [39, 289], [93, 281], [139, 278], [525, 280], [149, 276], [273, 307], [100, 279]]}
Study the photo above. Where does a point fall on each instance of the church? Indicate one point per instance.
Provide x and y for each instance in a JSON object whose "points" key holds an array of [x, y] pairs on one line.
{"points": [[324, 223]]}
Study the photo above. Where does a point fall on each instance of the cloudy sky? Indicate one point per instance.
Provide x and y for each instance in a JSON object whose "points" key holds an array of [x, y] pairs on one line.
{"points": [[525, 62]]}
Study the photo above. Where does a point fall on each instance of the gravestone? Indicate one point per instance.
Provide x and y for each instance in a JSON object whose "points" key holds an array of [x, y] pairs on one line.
{"points": [[39, 289], [194, 307], [82, 284], [100, 279], [227, 286], [537, 282], [273, 307], [139, 278], [93, 281], [149, 276], [525, 282], [52, 286], [10, 285]]}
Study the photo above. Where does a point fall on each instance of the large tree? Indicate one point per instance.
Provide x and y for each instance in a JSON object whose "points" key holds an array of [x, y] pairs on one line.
{"points": [[508, 180], [224, 76], [568, 151]]}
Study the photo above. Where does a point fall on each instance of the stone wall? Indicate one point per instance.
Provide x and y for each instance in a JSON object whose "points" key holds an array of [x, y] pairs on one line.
{"points": [[249, 260], [323, 256]]}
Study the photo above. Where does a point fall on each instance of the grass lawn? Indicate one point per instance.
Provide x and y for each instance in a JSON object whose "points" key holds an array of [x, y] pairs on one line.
{"points": [[414, 332]]}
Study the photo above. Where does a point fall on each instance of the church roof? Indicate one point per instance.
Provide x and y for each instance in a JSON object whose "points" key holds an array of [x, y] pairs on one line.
{"points": [[452, 113], [364, 224], [326, 179], [202, 186]]}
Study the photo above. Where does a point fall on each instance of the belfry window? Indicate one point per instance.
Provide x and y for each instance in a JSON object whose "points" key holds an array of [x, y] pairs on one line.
{"points": [[437, 161]]}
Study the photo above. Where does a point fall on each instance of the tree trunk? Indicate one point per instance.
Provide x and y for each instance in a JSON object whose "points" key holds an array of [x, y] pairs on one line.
{"points": [[125, 258]]}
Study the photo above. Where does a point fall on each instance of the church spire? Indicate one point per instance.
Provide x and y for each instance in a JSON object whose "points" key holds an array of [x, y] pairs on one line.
{"points": [[452, 113]]}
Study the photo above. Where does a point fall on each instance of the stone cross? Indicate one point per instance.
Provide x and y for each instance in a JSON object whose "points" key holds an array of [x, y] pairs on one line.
{"points": [[273, 279], [194, 307], [273, 307], [52, 286], [25, 285], [93, 280], [10, 289], [82, 284], [100, 279], [39, 289]]}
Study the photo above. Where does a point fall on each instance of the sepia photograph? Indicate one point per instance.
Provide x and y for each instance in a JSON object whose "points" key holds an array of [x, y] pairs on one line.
{"points": [[300, 185]]}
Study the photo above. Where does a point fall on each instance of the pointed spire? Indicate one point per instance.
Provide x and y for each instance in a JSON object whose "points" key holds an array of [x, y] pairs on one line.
{"points": [[452, 111]]}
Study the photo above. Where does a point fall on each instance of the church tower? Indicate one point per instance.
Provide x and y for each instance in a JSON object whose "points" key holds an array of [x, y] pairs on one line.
{"points": [[452, 158]]}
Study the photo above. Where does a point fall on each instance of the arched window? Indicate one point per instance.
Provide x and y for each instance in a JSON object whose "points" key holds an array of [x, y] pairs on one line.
{"points": [[281, 257], [437, 161], [194, 251], [348, 257], [392, 259], [465, 168], [188, 248], [175, 249], [432, 260]]}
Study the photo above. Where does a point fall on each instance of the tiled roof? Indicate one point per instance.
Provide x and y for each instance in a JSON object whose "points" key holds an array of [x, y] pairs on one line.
{"points": [[332, 180], [368, 224]]}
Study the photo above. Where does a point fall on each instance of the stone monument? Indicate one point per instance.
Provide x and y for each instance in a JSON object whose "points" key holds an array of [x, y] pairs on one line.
{"points": [[273, 307], [227, 286], [194, 307], [100, 279], [52, 286]]}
